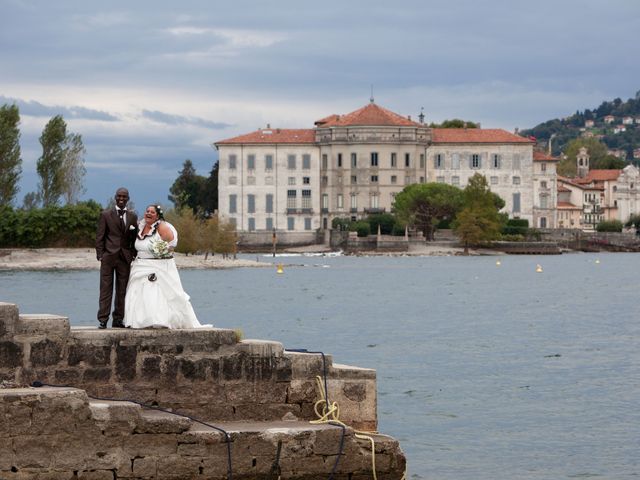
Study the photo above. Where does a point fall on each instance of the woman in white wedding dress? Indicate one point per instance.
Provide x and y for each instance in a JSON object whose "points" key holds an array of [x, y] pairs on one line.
{"points": [[155, 297]]}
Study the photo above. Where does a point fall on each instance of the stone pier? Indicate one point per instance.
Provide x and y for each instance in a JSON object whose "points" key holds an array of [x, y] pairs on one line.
{"points": [[91, 420]]}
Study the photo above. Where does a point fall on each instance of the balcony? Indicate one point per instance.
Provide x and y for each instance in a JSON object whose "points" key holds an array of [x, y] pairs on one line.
{"points": [[299, 211], [374, 210]]}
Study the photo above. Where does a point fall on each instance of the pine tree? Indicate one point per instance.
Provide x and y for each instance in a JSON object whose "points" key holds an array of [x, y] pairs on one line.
{"points": [[10, 160]]}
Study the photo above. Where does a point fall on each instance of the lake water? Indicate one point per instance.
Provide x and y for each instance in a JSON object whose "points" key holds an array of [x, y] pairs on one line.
{"points": [[484, 371]]}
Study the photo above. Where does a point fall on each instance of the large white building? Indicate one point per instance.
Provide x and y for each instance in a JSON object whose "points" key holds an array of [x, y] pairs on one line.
{"points": [[353, 165]]}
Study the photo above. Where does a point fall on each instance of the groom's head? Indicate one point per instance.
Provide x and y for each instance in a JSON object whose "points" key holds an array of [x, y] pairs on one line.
{"points": [[122, 197]]}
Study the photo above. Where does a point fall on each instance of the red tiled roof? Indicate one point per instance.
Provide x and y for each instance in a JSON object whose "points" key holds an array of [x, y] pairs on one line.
{"points": [[562, 188], [566, 205], [476, 135], [273, 135], [577, 183], [600, 176], [370, 114], [539, 156]]}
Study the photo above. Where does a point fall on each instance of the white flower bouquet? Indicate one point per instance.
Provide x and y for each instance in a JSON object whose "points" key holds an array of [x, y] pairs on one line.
{"points": [[160, 249]]}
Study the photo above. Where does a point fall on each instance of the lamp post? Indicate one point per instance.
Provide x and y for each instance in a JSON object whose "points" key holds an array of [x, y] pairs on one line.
{"points": [[274, 239]]}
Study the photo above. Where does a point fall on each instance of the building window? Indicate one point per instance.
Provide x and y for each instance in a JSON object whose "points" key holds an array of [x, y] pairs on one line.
{"points": [[354, 202], [251, 162], [374, 178], [543, 184], [325, 180], [339, 160], [421, 179], [268, 180], [354, 160], [233, 180], [543, 167], [374, 199], [252, 224], [354, 179], [494, 180], [307, 224], [516, 162], [543, 222], [440, 179], [268, 162], [374, 159], [394, 179], [291, 162], [407, 180], [516, 203], [291, 199], [325, 201], [340, 202], [455, 180], [422, 160], [394, 159], [325, 161], [291, 223], [251, 180], [233, 203], [251, 203], [306, 161], [291, 180], [495, 160], [269, 223], [407, 160], [306, 198], [306, 180], [438, 160], [232, 162], [516, 180], [455, 161], [268, 204], [543, 201], [475, 161]]}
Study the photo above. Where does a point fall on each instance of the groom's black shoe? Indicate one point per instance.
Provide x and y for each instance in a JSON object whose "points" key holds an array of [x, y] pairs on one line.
{"points": [[102, 324], [117, 324]]}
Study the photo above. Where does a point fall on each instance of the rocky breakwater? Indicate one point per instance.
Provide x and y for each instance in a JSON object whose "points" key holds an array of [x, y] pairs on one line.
{"points": [[245, 406]]}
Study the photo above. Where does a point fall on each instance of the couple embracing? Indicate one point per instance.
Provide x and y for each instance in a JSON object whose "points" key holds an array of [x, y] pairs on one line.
{"points": [[138, 258]]}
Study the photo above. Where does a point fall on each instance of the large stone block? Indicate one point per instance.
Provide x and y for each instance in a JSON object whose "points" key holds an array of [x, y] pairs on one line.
{"points": [[10, 354], [8, 320], [126, 357], [94, 355], [46, 352], [44, 324]]}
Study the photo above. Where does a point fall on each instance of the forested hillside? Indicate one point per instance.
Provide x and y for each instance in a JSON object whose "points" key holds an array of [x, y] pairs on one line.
{"points": [[615, 123]]}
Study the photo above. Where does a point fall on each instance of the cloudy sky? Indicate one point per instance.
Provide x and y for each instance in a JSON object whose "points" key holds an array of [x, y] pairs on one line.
{"points": [[149, 84]]}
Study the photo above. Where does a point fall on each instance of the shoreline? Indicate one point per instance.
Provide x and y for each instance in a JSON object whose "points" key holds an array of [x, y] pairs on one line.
{"points": [[52, 259]]}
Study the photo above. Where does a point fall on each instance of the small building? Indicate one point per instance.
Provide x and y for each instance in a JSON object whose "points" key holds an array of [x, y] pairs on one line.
{"points": [[609, 119], [619, 129], [589, 123], [627, 120], [636, 153], [545, 196]]}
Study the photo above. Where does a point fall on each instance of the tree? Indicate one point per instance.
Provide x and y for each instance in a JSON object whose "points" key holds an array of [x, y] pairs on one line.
{"points": [[423, 205], [454, 123], [598, 156], [50, 164], [479, 221], [209, 194], [186, 189], [10, 160], [73, 169]]}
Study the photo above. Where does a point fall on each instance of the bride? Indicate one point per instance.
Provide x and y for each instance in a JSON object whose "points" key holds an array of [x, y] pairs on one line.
{"points": [[155, 297]]}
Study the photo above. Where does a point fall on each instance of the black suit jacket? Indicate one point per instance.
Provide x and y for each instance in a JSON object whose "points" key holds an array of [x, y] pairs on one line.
{"points": [[112, 236]]}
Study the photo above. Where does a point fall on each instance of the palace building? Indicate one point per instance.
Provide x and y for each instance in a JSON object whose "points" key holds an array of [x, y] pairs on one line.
{"points": [[298, 180]]}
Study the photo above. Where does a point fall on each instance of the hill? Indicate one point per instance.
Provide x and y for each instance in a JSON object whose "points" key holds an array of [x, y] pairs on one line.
{"points": [[615, 123]]}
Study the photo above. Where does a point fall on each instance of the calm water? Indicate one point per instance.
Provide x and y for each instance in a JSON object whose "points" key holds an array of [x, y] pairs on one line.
{"points": [[484, 371]]}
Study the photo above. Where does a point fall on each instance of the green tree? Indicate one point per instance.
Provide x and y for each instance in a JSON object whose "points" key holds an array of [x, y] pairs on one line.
{"points": [[186, 189], [423, 205], [598, 156], [73, 169], [10, 160], [50, 164], [209, 194], [454, 123], [479, 221]]}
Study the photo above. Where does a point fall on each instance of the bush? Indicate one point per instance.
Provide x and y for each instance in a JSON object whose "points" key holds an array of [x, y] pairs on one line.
{"points": [[340, 223], [518, 222], [609, 226], [512, 238], [362, 227], [398, 230], [385, 220], [516, 226]]}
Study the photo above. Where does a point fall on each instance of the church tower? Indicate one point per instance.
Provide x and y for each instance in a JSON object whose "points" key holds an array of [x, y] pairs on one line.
{"points": [[582, 162]]}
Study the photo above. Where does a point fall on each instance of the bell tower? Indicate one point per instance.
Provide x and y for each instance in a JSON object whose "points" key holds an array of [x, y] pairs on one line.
{"points": [[582, 162]]}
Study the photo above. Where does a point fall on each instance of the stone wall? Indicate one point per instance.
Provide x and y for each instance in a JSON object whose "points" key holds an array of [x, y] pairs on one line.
{"points": [[205, 373]]}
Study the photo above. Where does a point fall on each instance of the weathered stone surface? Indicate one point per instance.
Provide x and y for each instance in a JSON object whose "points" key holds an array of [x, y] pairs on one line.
{"points": [[91, 375], [46, 352], [96, 475], [151, 367], [10, 354], [94, 355], [40, 324], [156, 421], [8, 319], [126, 362]]}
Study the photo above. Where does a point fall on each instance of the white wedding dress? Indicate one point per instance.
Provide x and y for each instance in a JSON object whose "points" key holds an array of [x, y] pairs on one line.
{"points": [[155, 298]]}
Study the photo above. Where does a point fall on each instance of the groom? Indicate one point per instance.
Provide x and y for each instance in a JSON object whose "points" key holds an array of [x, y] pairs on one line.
{"points": [[115, 250]]}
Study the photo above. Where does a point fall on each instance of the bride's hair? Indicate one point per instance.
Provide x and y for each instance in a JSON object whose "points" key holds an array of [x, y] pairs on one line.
{"points": [[158, 210]]}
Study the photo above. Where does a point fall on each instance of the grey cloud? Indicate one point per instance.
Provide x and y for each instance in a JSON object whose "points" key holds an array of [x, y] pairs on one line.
{"points": [[170, 119], [37, 109]]}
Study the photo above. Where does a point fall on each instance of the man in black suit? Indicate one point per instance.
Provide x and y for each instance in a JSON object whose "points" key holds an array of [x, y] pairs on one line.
{"points": [[117, 229]]}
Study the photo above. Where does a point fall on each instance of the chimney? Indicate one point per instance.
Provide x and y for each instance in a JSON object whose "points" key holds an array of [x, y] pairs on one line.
{"points": [[268, 126]]}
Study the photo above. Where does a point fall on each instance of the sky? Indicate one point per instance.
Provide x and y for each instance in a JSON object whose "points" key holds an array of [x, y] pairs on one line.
{"points": [[149, 84]]}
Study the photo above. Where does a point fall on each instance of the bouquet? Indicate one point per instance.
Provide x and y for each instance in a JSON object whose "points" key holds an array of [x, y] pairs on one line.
{"points": [[160, 249]]}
